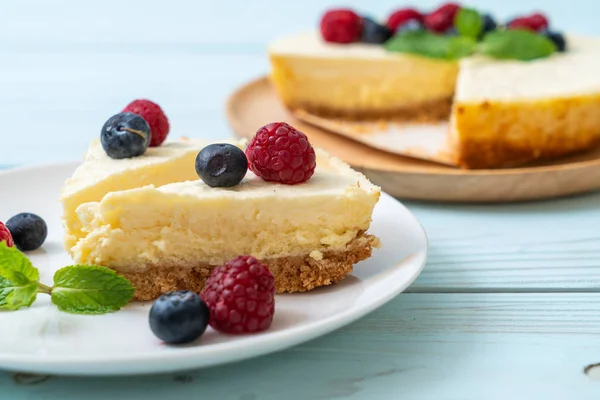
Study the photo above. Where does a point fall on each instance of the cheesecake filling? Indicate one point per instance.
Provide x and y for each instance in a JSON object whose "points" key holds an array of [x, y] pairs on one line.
{"points": [[189, 223], [100, 174]]}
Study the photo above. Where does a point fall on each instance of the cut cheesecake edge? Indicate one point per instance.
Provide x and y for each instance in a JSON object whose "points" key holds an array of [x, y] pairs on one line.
{"points": [[292, 273]]}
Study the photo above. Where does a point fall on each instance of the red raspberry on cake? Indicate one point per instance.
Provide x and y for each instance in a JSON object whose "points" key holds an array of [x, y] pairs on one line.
{"points": [[281, 153], [341, 26], [401, 17], [154, 116], [5, 235], [441, 19], [240, 296], [535, 22]]}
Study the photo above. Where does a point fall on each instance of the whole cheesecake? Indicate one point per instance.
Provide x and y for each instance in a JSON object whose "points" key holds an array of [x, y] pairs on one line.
{"points": [[504, 110]]}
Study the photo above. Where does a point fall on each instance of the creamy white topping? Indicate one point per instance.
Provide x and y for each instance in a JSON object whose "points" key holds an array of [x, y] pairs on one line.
{"points": [[312, 44], [572, 73], [98, 165], [331, 176]]}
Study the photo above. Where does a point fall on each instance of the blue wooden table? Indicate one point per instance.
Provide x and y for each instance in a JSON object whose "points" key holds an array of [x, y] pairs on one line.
{"points": [[506, 308]]}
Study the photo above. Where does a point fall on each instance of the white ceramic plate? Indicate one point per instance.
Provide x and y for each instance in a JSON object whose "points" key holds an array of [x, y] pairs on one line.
{"points": [[42, 340]]}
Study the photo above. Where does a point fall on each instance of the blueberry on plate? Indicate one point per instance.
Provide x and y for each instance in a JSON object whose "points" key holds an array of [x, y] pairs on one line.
{"points": [[374, 32], [29, 231], [125, 135], [221, 165], [179, 317], [557, 38]]}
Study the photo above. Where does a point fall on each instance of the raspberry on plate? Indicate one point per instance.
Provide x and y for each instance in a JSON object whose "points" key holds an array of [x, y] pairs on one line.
{"points": [[5, 235], [281, 153], [341, 26], [154, 115], [240, 296]]}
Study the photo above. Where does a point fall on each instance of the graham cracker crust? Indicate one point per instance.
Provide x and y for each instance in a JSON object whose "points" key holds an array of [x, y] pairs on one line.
{"points": [[292, 274], [430, 111]]}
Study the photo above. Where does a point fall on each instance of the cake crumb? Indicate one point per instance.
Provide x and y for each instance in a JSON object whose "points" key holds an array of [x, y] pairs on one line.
{"points": [[316, 255]]}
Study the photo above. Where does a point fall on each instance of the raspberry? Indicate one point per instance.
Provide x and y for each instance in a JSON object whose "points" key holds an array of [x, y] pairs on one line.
{"points": [[521, 23], [400, 17], [154, 115], [341, 26], [6, 236], [441, 19], [535, 22], [280, 153], [538, 22], [240, 296]]}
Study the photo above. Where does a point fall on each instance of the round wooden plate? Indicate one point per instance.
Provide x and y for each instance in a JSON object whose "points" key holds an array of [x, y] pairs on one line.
{"points": [[256, 104]]}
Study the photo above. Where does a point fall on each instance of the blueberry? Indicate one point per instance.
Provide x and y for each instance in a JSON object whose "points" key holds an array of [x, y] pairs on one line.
{"points": [[409, 26], [489, 24], [29, 231], [374, 32], [557, 38], [179, 317], [125, 135], [221, 165]]}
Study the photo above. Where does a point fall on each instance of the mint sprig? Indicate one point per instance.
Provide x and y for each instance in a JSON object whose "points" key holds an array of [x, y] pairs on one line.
{"points": [[468, 22], [90, 289], [431, 45], [516, 44], [503, 44], [78, 289]]}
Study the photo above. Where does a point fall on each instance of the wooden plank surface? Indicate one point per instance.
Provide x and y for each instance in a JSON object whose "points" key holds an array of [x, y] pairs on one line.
{"points": [[534, 246], [419, 346]]}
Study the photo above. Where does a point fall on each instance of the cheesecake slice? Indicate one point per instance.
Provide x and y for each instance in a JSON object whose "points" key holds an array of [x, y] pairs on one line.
{"points": [[99, 175], [171, 237]]}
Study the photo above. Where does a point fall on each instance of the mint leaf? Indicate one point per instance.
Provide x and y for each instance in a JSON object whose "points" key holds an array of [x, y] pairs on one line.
{"points": [[18, 279], [16, 267], [13, 297], [430, 45], [468, 22], [516, 44], [90, 289]]}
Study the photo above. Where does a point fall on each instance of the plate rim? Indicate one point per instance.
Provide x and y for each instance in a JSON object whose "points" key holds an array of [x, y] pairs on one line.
{"points": [[266, 343], [444, 170]]}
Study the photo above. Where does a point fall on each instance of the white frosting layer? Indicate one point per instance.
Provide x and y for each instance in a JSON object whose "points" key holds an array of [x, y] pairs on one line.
{"points": [[572, 73]]}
